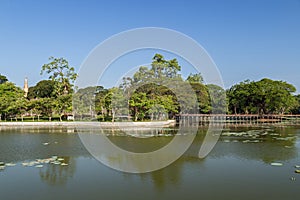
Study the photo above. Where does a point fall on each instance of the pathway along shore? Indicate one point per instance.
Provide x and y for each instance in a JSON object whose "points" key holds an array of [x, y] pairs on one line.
{"points": [[153, 124]]}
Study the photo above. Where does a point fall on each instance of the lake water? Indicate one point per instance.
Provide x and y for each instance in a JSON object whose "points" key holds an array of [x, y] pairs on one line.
{"points": [[239, 167]]}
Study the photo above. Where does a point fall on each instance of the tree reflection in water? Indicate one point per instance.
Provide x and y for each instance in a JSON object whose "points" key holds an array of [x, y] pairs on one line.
{"points": [[58, 174]]}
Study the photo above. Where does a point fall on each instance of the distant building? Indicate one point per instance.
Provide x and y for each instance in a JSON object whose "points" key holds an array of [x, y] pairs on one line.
{"points": [[25, 87]]}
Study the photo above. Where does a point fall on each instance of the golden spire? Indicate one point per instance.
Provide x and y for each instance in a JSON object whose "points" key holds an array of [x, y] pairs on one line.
{"points": [[25, 87]]}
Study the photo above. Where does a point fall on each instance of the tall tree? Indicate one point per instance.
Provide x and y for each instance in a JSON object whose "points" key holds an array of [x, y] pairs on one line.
{"points": [[162, 68], [63, 76], [61, 73]]}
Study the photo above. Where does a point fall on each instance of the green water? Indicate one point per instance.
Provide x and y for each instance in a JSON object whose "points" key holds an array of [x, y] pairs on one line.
{"points": [[239, 167]]}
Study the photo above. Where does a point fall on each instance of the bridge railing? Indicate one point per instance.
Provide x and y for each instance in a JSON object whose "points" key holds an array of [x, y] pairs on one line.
{"points": [[189, 119]]}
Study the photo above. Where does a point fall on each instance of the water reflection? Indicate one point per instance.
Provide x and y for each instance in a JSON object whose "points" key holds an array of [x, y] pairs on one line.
{"points": [[277, 144], [229, 155], [166, 177], [54, 174], [117, 158]]}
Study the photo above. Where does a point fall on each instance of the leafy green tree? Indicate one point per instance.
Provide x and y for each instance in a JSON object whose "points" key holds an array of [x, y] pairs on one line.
{"points": [[163, 105], [195, 78], [35, 107], [61, 73], [202, 95], [63, 104], [162, 68], [262, 97], [217, 99], [139, 103], [47, 107], [11, 98], [119, 103], [112, 103], [86, 101], [100, 102], [296, 109], [19, 107], [280, 96], [63, 77], [157, 85], [238, 96], [43, 89]]}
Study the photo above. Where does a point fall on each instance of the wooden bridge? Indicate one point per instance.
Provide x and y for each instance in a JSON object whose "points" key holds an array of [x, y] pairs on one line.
{"points": [[247, 119]]}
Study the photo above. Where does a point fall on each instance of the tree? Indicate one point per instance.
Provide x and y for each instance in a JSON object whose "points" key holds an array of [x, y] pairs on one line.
{"points": [[217, 99], [35, 106], [3, 79], [61, 73], [11, 98], [100, 104], [163, 106], [86, 100], [159, 89], [162, 68], [63, 77], [262, 97], [195, 78], [280, 99], [19, 107], [139, 103], [202, 95], [63, 104], [115, 103], [296, 109], [43, 89], [47, 106]]}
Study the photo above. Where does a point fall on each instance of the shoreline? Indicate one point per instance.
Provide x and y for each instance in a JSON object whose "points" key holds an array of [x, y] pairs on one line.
{"points": [[79, 124], [121, 125]]}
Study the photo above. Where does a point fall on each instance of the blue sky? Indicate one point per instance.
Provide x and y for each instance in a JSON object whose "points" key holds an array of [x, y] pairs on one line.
{"points": [[246, 39]]}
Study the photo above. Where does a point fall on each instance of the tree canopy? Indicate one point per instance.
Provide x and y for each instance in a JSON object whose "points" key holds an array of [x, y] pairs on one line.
{"points": [[157, 92], [262, 97], [12, 101]]}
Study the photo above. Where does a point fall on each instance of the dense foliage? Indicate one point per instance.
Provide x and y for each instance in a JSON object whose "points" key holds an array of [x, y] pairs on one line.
{"points": [[262, 97], [47, 98], [155, 93]]}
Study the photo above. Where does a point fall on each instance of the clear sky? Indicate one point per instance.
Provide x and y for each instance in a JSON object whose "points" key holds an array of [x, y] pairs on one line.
{"points": [[247, 39]]}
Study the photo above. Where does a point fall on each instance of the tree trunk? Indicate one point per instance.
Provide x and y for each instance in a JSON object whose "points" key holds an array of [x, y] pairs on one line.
{"points": [[113, 116], [135, 114]]}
